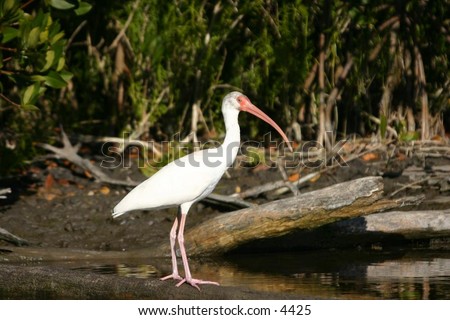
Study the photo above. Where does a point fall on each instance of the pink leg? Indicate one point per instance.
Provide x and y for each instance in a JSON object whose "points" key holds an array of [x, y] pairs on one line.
{"points": [[188, 277], [173, 236]]}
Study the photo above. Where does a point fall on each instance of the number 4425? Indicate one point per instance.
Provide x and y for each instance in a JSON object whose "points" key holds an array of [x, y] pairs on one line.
{"points": [[297, 310]]}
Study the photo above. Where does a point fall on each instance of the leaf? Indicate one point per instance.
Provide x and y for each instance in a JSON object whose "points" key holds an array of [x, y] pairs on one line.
{"points": [[83, 8], [37, 77], [49, 60], [8, 5], [49, 20], [371, 156], [59, 50], [88, 174], [33, 37], [31, 93], [30, 107], [401, 157], [57, 37], [61, 64], [42, 90], [49, 182], [55, 80], [66, 75], [27, 94], [9, 34], [43, 36], [294, 177], [61, 4], [409, 136]]}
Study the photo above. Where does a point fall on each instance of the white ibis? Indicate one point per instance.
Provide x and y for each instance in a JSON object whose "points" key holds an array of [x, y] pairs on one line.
{"points": [[191, 178]]}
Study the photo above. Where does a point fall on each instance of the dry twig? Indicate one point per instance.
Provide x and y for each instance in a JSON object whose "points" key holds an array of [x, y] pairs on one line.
{"points": [[253, 192], [70, 152], [409, 185]]}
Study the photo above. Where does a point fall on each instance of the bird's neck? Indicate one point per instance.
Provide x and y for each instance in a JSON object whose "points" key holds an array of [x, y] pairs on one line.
{"points": [[232, 140]]}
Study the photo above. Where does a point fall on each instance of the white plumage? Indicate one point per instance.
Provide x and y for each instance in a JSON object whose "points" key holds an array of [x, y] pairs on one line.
{"points": [[168, 188], [191, 178]]}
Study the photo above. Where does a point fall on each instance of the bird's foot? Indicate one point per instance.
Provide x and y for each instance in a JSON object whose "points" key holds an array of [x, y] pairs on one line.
{"points": [[174, 276], [196, 282]]}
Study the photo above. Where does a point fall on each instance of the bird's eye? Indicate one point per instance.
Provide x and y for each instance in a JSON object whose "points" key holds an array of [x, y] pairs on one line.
{"points": [[239, 99]]}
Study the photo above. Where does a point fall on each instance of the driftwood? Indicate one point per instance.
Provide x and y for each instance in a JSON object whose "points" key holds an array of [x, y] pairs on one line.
{"points": [[429, 228], [11, 238], [310, 210], [409, 224]]}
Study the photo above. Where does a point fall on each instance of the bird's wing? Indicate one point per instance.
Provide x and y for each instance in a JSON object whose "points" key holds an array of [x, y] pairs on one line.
{"points": [[187, 179]]}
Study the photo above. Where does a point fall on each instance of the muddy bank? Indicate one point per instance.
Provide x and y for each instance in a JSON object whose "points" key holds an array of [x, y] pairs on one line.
{"points": [[53, 207]]}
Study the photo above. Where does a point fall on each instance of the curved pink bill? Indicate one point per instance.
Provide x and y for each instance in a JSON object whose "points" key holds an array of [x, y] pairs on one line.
{"points": [[249, 107]]}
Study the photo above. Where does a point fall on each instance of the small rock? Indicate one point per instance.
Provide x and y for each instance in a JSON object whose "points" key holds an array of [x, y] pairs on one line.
{"points": [[68, 227]]}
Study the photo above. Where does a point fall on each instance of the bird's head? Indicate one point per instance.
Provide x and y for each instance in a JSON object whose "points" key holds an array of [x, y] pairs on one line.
{"points": [[232, 101], [236, 101]]}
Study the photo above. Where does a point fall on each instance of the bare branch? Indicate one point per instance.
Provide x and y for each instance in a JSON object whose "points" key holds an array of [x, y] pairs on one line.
{"points": [[255, 191], [125, 27], [69, 152]]}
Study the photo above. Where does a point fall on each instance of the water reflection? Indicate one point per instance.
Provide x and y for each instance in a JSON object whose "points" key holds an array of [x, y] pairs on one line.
{"points": [[341, 275]]}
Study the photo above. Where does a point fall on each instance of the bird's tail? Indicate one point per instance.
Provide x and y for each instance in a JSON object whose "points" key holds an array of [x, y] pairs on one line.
{"points": [[121, 208], [116, 214]]}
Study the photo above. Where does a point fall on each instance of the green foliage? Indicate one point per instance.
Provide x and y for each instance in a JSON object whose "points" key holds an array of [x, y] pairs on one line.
{"points": [[143, 65], [32, 50], [32, 59], [178, 54]]}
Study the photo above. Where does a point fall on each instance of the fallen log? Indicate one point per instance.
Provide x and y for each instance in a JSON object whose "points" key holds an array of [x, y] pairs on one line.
{"points": [[428, 229], [310, 210], [409, 224]]}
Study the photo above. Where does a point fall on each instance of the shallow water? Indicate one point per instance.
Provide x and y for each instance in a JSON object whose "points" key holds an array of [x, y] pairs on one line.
{"points": [[373, 274], [341, 275]]}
